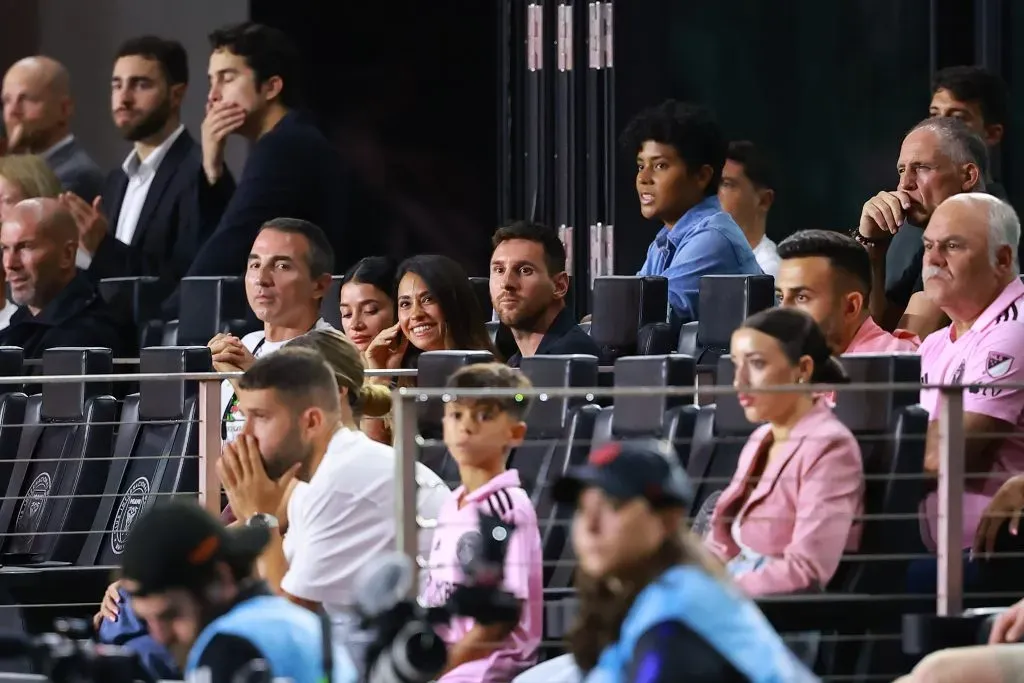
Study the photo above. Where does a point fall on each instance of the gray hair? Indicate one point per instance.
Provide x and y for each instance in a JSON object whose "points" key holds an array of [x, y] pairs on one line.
{"points": [[1003, 224], [961, 144]]}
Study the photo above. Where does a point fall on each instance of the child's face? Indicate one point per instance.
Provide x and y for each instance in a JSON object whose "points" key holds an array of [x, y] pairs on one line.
{"points": [[479, 432]]}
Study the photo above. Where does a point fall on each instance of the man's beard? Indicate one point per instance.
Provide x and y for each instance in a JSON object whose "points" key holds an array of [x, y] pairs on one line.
{"points": [[525, 319], [150, 125], [291, 451]]}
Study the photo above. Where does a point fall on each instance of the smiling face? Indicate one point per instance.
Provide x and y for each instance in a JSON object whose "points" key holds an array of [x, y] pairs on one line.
{"points": [[419, 314]]}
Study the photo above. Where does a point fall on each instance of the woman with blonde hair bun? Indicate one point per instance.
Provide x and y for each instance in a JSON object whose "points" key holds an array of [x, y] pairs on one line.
{"points": [[364, 401]]}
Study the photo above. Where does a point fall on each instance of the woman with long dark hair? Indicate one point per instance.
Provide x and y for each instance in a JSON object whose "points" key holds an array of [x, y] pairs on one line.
{"points": [[654, 606], [437, 310], [367, 303]]}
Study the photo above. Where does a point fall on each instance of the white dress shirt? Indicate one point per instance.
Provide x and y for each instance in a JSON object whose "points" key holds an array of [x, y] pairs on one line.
{"points": [[6, 312], [140, 178]]}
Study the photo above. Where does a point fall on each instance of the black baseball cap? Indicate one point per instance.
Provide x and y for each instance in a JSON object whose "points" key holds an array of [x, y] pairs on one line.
{"points": [[639, 468], [176, 544]]}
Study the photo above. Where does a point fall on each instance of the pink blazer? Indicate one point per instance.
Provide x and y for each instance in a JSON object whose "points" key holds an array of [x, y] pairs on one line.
{"points": [[802, 511]]}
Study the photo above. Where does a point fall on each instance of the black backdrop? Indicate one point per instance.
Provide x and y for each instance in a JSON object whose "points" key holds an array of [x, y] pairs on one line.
{"points": [[408, 90]]}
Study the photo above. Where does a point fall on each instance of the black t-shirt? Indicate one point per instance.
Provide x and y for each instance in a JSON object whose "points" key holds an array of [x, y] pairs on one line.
{"points": [[671, 651], [563, 337]]}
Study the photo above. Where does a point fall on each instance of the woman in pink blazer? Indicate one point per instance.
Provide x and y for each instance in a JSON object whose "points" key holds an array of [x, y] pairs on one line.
{"points": [[790, 511]]}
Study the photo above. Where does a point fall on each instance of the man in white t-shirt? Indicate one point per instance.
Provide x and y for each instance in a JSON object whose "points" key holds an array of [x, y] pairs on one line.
{"points": [[342, 512], [747, 192], [288, 272]]}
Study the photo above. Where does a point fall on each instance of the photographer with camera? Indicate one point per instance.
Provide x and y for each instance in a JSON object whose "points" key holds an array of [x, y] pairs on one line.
{"points": [[194, 583]]}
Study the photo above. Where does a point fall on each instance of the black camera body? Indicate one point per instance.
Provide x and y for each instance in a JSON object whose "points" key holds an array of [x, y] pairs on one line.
{"points": [[69, 655], [406, 648]]}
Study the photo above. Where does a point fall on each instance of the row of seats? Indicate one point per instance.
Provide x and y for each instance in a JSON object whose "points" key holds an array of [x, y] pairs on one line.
{"points": [[630, 313]]}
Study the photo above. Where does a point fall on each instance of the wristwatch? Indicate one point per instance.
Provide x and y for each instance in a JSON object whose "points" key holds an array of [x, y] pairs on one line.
{"points": [[261, 520]]}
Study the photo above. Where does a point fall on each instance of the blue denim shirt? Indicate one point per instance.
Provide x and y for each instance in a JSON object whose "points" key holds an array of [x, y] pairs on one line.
{"points": [[705, 241]]}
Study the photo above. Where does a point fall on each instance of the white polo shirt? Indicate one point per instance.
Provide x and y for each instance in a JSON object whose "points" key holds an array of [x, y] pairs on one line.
{"points": [[258, 346], [346, 515]]}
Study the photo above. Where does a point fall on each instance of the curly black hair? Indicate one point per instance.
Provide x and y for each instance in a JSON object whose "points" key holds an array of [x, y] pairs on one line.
{"points": [[691, 129]]}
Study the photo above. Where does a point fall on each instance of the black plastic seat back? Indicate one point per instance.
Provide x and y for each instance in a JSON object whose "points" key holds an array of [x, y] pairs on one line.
{"points": [[330, 305], [623, 305], [12, 409], [482, 289], [209, 306], [138, 298], [720, 433], [62, 462], [156, 451], [546, 420], [433, 370], [654, 414], [891, 431], [726, 301]]}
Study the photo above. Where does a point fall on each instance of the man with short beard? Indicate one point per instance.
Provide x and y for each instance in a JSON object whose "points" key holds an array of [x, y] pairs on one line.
{"points": [[528, 289], [147, 221]]}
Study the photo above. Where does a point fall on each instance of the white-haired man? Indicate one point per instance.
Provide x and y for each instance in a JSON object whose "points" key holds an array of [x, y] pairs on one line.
{"points": [[970, 272]]}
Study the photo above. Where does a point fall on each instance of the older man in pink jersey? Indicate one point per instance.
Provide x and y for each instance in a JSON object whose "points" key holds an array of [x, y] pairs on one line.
{"points": [[828, 276], [970, 272]]}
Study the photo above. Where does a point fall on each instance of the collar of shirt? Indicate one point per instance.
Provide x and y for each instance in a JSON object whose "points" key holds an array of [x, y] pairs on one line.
{"points": [[66, 140], [507, 479], [685, 225], [133, 166], [1012, 292]]}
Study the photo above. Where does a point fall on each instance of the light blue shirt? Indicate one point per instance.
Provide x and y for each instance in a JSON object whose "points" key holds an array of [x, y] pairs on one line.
{"points": [[705, 241]]}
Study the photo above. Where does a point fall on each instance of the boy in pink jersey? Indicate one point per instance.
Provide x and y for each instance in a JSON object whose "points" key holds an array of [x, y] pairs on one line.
{"points": [[479, 433]]}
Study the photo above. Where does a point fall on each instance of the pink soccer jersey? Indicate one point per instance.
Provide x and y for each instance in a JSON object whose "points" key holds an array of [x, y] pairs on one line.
{"points": [[504, 497], [991, 352], [871, 338]]}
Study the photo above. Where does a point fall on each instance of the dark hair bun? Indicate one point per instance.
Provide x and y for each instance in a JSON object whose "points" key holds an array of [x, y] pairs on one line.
{"points": [[829, 371]]}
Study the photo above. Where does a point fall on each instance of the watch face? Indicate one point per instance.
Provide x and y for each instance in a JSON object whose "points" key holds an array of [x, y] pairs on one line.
{"points": [[262, 521]]}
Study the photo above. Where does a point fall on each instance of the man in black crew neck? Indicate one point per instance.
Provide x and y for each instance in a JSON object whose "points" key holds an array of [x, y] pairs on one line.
{"points": [[528, 289]]}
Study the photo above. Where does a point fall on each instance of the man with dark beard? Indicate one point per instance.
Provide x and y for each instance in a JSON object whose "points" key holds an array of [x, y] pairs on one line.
{"points": [[528, 289], [147, 220]]}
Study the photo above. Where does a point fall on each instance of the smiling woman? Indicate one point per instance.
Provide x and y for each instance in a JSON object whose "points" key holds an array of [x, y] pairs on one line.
{"points": [[437, 310]]}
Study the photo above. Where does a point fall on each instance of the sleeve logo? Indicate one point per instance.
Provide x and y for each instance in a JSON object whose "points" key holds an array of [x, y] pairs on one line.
{"points": [[998, 364]]}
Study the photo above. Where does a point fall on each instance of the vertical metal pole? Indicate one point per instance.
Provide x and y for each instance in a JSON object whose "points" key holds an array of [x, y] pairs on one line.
{"points": [[209, 445], [951, 497], [406, 455]]}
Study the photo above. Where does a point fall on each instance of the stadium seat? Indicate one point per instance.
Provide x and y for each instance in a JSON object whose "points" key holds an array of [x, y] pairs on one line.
{"points": [[555, 436], [210, 305], [654, 414], [142, 296], [155, 453], [12, 409], [720, 432], [622, 306], [433, 370], [482, 288], [330, 306], [726, 300], [62, 461]]}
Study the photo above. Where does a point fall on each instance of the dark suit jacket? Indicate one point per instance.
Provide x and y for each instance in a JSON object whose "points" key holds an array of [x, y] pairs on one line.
{"points": [[76, 170], [292, 171], [78, 316], [170, 230]]}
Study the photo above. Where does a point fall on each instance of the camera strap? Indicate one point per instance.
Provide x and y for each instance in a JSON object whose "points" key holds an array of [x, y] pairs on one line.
{"points": [[327, 645]]}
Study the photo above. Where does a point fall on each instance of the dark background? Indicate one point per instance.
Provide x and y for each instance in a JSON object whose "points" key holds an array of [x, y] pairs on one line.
{"points": [[411, 92]]}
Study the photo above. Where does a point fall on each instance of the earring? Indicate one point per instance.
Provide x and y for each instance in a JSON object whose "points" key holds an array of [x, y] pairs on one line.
{"points": [[800, 380]]}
